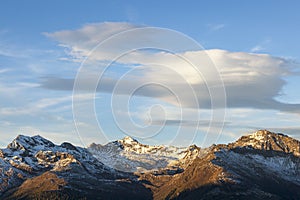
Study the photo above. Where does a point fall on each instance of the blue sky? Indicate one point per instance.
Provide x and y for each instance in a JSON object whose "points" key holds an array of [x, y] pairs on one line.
{"points": [[252, 43]]}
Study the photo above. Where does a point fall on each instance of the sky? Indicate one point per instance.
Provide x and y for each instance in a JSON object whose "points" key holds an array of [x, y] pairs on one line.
{"points": [[163, 72]]}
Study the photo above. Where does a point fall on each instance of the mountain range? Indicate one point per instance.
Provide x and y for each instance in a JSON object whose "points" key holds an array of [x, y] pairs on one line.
{"points": [[262, 165]]}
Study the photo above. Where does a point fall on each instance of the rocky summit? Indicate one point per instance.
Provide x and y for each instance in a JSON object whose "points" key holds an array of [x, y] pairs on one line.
{"points": [[262, 165]]}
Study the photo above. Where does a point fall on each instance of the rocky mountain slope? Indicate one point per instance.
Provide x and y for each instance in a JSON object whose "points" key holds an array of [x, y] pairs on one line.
{"points": [[262, 165], [33, 167]]}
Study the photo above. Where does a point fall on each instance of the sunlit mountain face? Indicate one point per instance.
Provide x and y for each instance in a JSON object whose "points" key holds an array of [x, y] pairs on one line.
{"points": [[261, 165]]}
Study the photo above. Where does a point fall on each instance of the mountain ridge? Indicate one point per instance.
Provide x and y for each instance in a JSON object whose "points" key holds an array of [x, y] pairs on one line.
{"points": [[258, 164]]}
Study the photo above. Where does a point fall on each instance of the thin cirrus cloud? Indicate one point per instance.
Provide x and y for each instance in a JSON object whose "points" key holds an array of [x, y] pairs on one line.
{"points": [[260, 46], [215, 27], [251, 80], [257, 48], [2, 71]]}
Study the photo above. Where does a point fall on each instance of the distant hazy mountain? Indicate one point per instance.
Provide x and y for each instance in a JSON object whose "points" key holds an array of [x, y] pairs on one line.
{"points": [[262, 165]]}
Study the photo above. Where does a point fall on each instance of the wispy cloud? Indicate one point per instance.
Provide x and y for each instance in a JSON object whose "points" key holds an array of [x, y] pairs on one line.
{"points": [[260, 46], [79, 43], [257, 48], [215, 27], [35, 108], [4, 70]]}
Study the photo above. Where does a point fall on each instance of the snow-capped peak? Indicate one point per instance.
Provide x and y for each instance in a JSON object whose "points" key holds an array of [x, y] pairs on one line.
{"points": [[128, 140], [27, 143], [265, 134], [34, 153], [267, 140]]}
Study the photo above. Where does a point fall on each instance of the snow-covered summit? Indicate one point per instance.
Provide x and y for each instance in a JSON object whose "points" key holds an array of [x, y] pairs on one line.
{"points": [[265, 134], [22, 142], [128, 140], [267, 140], [36, 153]]}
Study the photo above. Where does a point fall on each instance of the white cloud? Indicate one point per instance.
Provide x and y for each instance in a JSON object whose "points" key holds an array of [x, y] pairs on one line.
{"points": [[2, 71], [36, 107], [251, 80], [257, 48], [215, 27], [260, 46], [80, 42]]}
